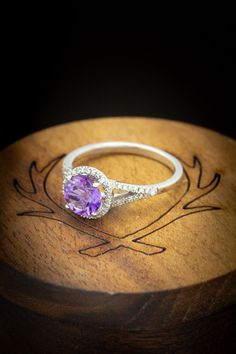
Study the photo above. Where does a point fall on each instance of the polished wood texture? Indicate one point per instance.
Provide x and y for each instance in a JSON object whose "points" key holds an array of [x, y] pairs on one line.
{"points": [[156, 274]]}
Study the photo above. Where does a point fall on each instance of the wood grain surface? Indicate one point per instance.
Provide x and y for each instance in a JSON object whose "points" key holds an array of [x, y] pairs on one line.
{"points": [[155, 265]]}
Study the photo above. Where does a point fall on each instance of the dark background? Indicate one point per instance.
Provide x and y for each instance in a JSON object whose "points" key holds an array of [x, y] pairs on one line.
{"points": [[56, 74]]}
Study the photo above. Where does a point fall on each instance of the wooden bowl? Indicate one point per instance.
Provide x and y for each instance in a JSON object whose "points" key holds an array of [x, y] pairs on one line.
{"points": [[154, 276]]}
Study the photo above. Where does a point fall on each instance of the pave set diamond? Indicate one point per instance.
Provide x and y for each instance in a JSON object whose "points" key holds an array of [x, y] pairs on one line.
{"points": [[89, 193]]}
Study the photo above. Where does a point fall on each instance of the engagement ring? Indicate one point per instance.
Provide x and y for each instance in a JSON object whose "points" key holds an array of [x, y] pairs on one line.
{"points": [[89, 193]]}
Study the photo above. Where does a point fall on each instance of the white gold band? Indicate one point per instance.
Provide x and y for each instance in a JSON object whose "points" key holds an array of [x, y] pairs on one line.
{"points": [[132, 191], [133, 148]]}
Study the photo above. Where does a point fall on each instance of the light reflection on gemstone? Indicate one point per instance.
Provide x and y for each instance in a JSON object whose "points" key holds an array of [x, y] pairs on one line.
{"points": [[81, 196]]}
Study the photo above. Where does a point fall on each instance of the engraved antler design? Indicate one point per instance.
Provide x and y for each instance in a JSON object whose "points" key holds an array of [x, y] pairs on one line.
{"points": [[188, 203], [49, 208]]}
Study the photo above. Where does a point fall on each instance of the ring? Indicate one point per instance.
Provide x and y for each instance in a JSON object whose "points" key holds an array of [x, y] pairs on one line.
{"points": [[89, 193]]}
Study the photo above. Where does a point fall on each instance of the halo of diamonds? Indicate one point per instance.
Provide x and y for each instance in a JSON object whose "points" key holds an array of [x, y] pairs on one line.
{"points": [[131, 193], [100, 179]]}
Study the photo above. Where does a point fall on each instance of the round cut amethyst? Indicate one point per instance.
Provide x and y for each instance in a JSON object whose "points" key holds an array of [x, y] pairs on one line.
{"points": [[81, 196]]}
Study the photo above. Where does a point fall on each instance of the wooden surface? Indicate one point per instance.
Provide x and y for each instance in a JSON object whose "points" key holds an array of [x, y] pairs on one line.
{"points": [[154, 265]]}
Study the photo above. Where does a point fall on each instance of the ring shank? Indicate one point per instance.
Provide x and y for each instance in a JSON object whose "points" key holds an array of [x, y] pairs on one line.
{"points": [[101, 148]]}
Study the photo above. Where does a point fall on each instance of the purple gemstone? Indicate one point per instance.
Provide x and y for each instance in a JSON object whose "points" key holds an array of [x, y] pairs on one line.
{"points": [[81, 196]]}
